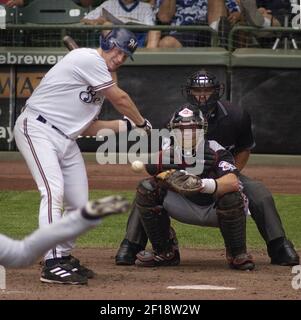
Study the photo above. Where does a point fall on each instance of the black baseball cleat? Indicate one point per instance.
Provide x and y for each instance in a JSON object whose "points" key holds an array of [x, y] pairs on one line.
{"points": [[103, 207], [282, 252], [126, 254], [243, 262], [80, 269], [152, 259], [62, 273]]}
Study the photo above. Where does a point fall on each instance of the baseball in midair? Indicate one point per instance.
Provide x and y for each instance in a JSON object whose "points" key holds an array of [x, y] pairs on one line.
{"points": [[137, 166]]}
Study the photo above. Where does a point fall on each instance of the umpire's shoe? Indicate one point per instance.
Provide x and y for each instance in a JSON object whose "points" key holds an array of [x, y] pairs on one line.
{"points": [[282, 252], [126, 254], [62, 273]]}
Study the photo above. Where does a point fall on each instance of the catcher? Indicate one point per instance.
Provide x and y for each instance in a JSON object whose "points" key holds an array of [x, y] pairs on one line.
{"points": [[211, 198]]}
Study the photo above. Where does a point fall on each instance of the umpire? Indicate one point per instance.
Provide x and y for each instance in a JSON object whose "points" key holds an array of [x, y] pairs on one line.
{"points": [[230, 126]]}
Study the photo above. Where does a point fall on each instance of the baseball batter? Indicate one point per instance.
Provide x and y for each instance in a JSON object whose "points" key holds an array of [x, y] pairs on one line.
{"points": [[22, 253], [63, 106]]}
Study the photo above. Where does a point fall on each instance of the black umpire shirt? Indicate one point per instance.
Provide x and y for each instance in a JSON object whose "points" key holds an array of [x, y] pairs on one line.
{"points": [[231, 127]]}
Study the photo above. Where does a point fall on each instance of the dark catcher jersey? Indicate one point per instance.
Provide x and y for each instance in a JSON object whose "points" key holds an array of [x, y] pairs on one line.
{"points": [[231, 127], [223, 166]]}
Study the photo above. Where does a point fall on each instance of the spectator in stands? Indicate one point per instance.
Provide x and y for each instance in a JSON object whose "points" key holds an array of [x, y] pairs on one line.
{"points": [[13, 3], [227, 9], [88, 3], [21, 3], [190, 12], [266, 13], [223, 15], [127, 11]]}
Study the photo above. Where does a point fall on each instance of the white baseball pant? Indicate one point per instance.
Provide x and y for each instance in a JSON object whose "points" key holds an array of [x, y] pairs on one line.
{"points": [[58, 169]]}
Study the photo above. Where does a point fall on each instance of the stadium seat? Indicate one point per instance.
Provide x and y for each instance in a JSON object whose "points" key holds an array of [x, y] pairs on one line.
{"points": [[51, 12]]}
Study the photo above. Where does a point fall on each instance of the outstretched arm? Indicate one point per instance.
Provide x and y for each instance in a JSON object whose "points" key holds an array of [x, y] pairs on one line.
{"points": [[123, 104]]}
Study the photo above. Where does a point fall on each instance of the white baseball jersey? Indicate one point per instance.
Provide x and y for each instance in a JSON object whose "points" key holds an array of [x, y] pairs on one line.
{"points": [[69, 95], [136, 12]]}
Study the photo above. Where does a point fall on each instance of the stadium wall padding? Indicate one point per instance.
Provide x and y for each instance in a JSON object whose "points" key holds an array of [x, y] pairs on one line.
{"points": [[271, 92]]}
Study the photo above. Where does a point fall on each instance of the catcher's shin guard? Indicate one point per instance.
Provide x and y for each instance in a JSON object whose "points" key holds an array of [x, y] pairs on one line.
{"points": [[154, 218], [232, 223]]}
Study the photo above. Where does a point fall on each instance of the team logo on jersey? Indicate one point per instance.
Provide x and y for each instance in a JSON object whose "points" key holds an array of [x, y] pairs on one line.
{"points": [[89, 96], [226, 166]]}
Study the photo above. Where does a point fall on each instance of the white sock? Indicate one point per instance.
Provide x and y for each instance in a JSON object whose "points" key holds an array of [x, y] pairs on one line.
{"points": [[267, 22], [214, 25]]}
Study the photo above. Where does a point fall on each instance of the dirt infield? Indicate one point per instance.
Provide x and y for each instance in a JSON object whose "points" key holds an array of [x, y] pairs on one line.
{"points": [[198, 266], [14, 175]]}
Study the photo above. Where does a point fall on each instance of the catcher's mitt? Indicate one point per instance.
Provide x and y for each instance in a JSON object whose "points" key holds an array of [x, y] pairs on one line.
{"points": [[180, 181]]}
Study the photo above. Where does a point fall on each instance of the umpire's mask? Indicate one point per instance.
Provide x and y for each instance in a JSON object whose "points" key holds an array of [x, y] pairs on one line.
{"points": [[203, 91]]}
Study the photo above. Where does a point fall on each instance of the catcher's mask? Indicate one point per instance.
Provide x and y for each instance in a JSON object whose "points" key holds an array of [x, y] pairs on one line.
{"points": [[121, 38], [188, 128], [203, 90]]}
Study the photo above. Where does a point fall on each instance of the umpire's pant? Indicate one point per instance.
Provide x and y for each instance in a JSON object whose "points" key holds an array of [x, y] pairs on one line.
{"points": [[261, 206], [263, 209]]}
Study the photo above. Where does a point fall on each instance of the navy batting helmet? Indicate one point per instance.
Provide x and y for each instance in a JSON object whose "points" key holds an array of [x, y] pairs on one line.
{"points": [[123, 39], [203, 79]]}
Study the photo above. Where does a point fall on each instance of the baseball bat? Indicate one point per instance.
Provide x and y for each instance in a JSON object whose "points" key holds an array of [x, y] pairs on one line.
{"points": [[70, 43]]}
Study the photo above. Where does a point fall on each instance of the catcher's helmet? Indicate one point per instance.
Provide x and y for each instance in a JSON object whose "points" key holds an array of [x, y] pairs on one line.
{"points": [[123, 39], [191, 127], [203, 79]]}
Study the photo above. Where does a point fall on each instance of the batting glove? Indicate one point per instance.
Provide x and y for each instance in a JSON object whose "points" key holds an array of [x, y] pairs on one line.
{"points": [[130, 125], [146, 126]]}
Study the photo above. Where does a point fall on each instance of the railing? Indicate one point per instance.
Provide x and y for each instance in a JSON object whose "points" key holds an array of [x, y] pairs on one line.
{"points": [[79, 30], [50, 35], [278, 32]]}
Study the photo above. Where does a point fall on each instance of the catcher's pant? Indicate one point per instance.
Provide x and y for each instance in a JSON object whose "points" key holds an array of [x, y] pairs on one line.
{"points": [[263, 209], [58, 169], [184, 210], [21, 253], [179, 208]]}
